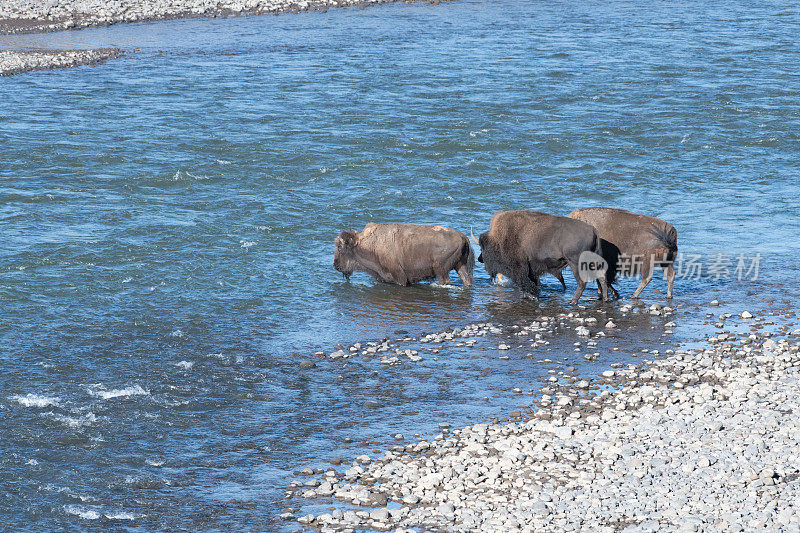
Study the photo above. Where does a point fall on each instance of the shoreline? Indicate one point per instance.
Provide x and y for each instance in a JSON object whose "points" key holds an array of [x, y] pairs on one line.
{"points": [[699, 440], [37, 19], [19, 17], [19, 61]]}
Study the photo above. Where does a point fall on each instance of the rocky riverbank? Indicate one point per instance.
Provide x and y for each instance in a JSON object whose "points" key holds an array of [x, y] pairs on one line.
{"points": [[23, 16], [18, 61], [703, 439]]}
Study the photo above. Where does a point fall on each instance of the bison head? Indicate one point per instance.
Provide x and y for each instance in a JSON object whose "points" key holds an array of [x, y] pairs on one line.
{"points": [[490, 256], [344, 257], [488, 252]]}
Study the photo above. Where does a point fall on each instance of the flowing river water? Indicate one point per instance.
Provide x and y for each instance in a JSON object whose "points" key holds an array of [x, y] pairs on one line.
{"points": [[168, 218]]}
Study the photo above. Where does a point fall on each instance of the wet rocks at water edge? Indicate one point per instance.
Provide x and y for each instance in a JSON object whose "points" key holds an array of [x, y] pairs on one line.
{"points": [[18, 61], [587, 325], [702, 440], [391, 353]]}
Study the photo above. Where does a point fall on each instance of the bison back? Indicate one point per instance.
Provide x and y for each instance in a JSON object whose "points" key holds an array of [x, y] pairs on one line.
{"points": [[631, 233], [542, 240], [415, 252]]}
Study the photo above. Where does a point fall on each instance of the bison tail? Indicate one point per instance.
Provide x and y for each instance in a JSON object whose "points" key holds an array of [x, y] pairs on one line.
{"points": [[610, 254], [667, 235], [470, 260]]}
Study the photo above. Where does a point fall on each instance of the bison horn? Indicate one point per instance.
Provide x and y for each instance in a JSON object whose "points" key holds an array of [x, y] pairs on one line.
{"points": [[472, 236]]}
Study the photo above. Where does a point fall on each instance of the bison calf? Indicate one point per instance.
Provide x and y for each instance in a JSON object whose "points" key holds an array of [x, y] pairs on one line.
{"points": [[633, 243], [523, 245], [405, 253]]}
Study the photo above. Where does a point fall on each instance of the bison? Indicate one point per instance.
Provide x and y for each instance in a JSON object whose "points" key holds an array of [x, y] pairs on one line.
{"points": [[633, 244], [523, 245], [405, 253]]}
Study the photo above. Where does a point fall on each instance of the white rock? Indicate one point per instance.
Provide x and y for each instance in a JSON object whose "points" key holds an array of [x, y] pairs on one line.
{"points": [[381, 515], [563, 432]]}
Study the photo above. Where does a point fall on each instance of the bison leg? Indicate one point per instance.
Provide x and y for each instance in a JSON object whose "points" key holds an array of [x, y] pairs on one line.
{"points": [[559, 274], [528, 281], [611, 290], [443, 279], [669, 273], [581, 285], [647, 275], [530, 286], [603, 284]]}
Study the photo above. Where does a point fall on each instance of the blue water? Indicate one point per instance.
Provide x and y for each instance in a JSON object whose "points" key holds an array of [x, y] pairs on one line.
{"points": [[168, 221]]}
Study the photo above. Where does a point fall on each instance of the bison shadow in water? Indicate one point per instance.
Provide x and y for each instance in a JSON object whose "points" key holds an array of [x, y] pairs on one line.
{"points": [[389, 307]]}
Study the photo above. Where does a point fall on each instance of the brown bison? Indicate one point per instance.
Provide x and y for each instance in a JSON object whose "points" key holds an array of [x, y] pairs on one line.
{"points": [[523, 245], [633, 244], [405, 253]]}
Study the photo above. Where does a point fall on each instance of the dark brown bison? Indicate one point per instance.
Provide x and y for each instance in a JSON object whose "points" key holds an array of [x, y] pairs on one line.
{"points": [[405, 253], [523, 245], [633, 244]]}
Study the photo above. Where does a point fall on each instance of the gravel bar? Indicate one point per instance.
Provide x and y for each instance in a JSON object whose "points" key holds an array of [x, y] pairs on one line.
{"points": [[25, 16], [702, 440], [18, 61]]}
